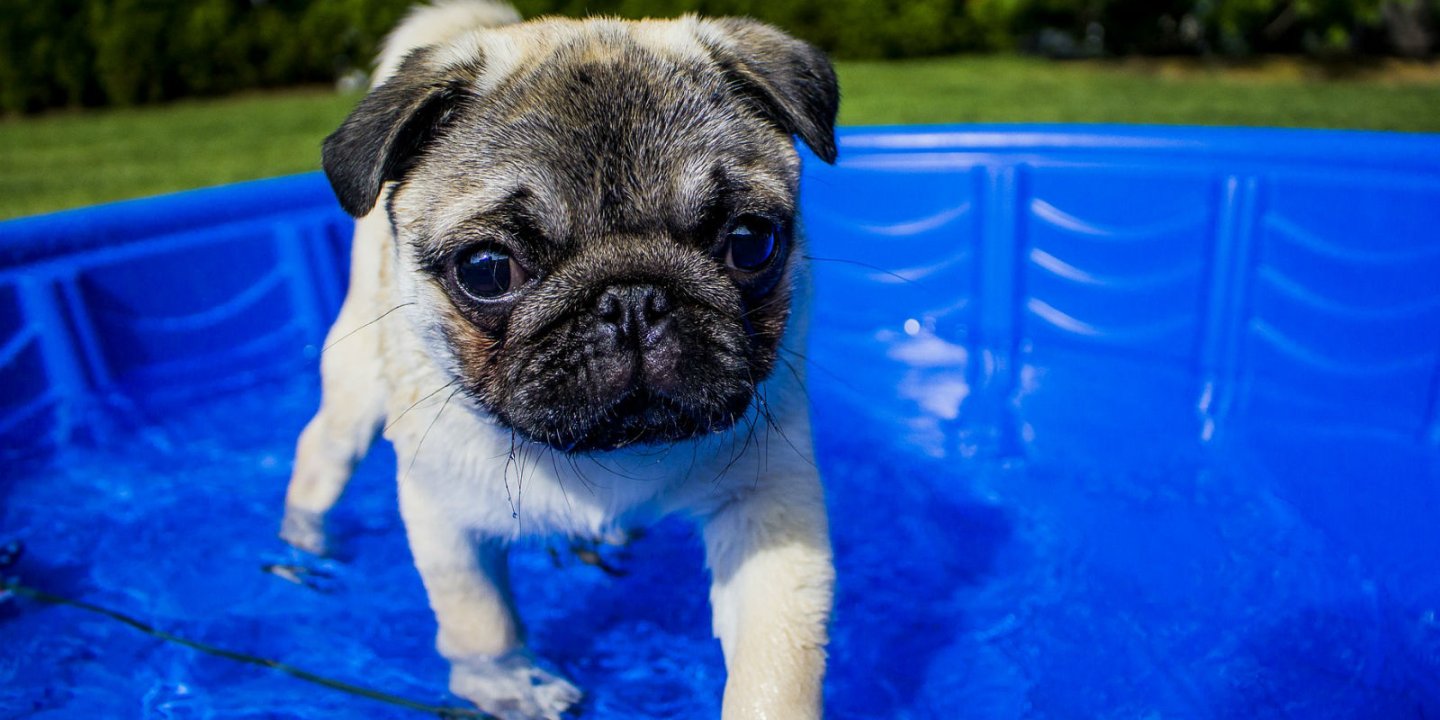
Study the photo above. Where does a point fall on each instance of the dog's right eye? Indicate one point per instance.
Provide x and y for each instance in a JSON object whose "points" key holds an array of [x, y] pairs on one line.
{"points": [[486, 272]]}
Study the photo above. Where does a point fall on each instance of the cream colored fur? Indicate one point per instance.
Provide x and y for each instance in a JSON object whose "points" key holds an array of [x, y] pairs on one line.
{"points": [[439, 23], [756, 497]]}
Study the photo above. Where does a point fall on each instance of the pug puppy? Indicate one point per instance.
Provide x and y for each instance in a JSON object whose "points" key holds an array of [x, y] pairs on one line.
{"points": [[576, 303]]}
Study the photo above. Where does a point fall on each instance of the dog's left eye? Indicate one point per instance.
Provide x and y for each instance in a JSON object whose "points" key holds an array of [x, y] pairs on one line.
{"points": [[750, 243], [487, 272]]}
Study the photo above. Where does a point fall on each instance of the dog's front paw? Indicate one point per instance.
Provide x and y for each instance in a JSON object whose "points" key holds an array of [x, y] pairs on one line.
{"points": [[513, 687], [305, 530]]}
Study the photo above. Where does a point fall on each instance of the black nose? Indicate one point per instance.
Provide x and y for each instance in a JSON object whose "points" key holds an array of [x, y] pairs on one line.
{"points": [[636, 312]]}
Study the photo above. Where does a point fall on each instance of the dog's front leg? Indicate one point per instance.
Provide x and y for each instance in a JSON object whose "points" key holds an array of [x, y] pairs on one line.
{"points": [[467, 580], [773, 581]]}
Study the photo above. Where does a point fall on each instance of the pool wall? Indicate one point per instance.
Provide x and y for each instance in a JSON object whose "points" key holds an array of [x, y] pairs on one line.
{"points": [[1285, 271]]}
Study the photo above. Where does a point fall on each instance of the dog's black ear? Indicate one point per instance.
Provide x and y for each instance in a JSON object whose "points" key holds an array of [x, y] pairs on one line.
{"points": [[792, 80], [386, 131]]}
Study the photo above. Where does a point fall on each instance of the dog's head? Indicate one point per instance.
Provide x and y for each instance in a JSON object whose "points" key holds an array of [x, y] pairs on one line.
{"points": [[596, 219]]}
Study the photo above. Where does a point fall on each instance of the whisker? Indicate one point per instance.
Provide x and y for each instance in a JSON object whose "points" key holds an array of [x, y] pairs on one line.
{"points": [[525, 458], [338, 340], [426, 434], [612, 471], [834, 375], [555, 468], [763, 449], [505, 477], [749, 437], [876, 268], [762, 306], [585, 480], [804, 386], [770, 418], [413, 405], [694, 454]]}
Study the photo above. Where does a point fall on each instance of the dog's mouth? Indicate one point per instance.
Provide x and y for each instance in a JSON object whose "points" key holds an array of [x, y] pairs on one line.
{"points": [[642, 417]]}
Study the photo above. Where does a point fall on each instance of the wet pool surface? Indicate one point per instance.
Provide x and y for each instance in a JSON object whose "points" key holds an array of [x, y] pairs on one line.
{"points": [[1068, 564]]}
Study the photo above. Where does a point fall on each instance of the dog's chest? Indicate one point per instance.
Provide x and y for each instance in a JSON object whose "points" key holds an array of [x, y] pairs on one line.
{"points": [[499, 486]]}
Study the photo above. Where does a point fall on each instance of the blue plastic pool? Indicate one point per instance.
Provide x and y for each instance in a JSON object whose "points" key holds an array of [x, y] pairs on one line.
{"points": [[1115, 422]]}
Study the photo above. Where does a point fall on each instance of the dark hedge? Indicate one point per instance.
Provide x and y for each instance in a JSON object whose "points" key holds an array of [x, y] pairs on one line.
{"points": [[57, 53]]}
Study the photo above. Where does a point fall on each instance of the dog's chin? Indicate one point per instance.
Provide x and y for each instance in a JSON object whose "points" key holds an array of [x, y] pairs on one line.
{"points": [[637, 419]]}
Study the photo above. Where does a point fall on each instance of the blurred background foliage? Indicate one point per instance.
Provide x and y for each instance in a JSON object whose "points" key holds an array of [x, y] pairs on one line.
{"points": [[66, 53]]}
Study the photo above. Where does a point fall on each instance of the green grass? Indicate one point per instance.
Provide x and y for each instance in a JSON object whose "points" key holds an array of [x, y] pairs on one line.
{"points": [[70, 159], [1009, 89]]}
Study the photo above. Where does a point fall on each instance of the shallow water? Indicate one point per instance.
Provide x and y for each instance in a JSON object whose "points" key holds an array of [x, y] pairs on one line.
{"points": [[1081, 547], [1115, 423]]}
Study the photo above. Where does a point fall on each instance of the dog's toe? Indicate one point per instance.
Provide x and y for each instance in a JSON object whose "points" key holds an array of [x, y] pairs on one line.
{"points": [[513, 687], [303, 568]]}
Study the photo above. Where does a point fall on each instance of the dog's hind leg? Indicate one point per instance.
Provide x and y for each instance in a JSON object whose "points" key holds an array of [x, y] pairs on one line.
{"points": [[352, 408]]}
